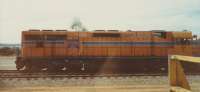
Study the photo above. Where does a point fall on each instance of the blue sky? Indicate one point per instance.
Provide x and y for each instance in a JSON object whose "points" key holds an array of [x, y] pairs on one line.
{"points": [[170, 15]]}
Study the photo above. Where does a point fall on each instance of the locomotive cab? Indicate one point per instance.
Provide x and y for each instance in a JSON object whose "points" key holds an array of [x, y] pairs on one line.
{"points": [[182, 42]]}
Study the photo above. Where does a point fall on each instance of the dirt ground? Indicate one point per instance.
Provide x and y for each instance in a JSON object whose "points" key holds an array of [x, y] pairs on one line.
{"points": [[141, 88], [120, 84], [138, 88]]}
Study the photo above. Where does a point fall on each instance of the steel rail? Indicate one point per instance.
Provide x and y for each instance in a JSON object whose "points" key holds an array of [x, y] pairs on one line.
{"points": [[44, 74]]}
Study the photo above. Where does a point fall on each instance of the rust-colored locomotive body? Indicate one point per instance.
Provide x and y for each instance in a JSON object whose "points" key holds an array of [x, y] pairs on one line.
{"points": [[101, 50]]}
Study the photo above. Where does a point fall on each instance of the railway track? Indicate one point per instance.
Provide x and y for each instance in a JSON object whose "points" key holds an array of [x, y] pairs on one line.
{"points": [[20, 74]]}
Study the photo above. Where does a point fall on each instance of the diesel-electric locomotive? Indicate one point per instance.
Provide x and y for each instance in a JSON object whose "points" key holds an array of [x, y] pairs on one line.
{"points": [[102, 50]]}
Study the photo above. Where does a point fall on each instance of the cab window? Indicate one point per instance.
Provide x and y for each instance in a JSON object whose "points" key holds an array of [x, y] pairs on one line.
{"points": [[33, 38], [106, 34], [160, 34], [55, 37]]}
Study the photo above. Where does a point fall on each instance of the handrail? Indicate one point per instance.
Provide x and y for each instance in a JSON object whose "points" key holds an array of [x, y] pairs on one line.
{"points": [[185, 58], [177, 78]]}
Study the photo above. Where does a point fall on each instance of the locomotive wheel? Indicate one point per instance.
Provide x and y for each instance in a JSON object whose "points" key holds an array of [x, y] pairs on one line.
{"points": [[93, 67], [54, 68], [74, 67], [51, 68], [35, 68], [27, 66], [32, 68]]}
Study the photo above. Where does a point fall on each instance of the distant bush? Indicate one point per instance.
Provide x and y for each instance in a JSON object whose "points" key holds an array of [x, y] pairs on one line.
{"points": [[6, 51]]}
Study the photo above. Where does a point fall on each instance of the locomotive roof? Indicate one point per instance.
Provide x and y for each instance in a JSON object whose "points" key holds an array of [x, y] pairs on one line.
{"points": [[106, 31], [110, 30]]}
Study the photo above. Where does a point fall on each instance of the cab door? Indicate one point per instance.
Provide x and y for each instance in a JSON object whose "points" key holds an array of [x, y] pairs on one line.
{"points": [[73, 44]]}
